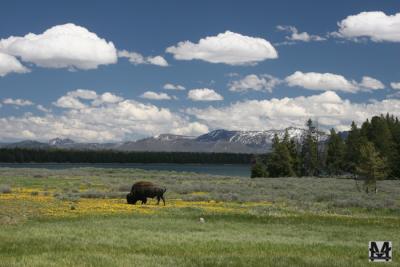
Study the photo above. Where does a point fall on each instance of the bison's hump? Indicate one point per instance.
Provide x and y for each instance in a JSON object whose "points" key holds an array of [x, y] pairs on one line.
{"points": [[142, 183]]}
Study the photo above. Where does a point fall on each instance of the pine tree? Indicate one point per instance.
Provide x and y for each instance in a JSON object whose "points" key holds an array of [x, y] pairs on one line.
{"points": [[352, 151], [309, 152], [372, 166], [380, 135], [381, 131], [280, 161], [394, 126], [258, 168], [294, 153], [335, 154]]}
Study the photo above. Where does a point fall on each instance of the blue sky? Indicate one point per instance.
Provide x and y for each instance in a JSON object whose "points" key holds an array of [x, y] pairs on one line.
{"points": [[280, 62]]}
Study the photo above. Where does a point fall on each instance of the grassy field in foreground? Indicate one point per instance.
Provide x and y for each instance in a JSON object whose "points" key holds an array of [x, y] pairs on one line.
{"points": [[79, 217]]}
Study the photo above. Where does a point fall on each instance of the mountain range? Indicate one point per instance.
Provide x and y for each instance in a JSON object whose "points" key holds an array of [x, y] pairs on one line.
{"points": [[216, 141]]}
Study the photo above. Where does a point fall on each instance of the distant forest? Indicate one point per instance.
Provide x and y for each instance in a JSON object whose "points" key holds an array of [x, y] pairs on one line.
{"points": [[24, 155], [369, 153]]}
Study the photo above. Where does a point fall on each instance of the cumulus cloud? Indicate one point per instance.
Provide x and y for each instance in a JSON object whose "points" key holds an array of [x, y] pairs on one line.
{"points": [[394, 95], [330, 81], [155, 96], [228, 47], [106, 98], [299, 36], [395, 85], [10, 64], [263, 82], [321, 81], [190, 128], [62, 46], [83, 94], [17, 102], [204, 94], [70, 102], [42, 108], [375, 25], [73, 99], [136, 58], [370, 83], [123, 120], [328, 108], [170, 86]]}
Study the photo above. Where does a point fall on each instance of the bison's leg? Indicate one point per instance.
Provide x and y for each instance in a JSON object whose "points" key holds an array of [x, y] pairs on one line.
{"points": [[158, 200], [162, 197], [144, 200]]}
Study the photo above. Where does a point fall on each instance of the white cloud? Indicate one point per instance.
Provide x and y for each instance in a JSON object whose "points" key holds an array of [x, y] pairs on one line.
{"points": [[70, 102], [394, 95], [72, 99], [321, 81], [157, 60], [232, 74], [395, 85], [170, 86], [327, 107], [262, 82], [83, 94], [204, 94], [375, 25], [370, 83], [10, 64], [42, 108], [123, 120], [106, 98], [299, 36], [334, 82], [155, 96], [190, 128], [17, 102], [136, 58], [62, 46], [228, 47], [130, 119]]}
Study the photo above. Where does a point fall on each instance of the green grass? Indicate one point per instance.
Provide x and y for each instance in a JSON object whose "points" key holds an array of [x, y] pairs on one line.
{"points": [[180, 240], [302, 227]]}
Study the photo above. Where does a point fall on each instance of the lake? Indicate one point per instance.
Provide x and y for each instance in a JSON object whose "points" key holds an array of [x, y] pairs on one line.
{"points": [[242, 170]]}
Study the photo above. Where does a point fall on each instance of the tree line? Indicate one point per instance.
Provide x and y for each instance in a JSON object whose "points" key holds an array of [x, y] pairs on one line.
{"points": [[25, 155], [370, 153]]}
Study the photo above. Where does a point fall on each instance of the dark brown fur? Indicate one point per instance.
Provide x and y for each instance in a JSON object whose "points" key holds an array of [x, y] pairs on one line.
{"points": [[142, 190]]}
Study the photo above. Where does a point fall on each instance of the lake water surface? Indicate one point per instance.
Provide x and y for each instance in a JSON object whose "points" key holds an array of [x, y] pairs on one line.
{"points": [[242, 170]]}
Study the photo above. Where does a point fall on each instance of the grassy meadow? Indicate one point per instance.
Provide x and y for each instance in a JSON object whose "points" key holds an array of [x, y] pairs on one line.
{"points": [[79, 217]]}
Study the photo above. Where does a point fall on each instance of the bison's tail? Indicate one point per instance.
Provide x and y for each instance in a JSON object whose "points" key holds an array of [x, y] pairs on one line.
{"points": [[165, 189]]}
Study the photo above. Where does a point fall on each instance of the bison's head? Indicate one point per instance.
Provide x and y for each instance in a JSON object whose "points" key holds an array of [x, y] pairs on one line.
{"points": [[130, 198]]}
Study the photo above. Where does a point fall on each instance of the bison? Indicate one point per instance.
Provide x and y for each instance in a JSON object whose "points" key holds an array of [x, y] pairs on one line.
{"points": [[142, 190]]}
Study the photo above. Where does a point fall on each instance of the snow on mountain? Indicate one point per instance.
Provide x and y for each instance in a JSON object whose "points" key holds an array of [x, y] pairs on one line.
{"points": [[61, 142], [171, 137], [215, 141], [254, 137]]}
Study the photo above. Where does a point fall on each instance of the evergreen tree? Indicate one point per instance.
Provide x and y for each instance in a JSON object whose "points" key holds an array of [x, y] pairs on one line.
{"points": [[258, 168], [335, 153], [352, 151], [372, 166], [394, 126], [279, 162], [382, 132], [379, 134], [294, 153], [309, 152]]}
